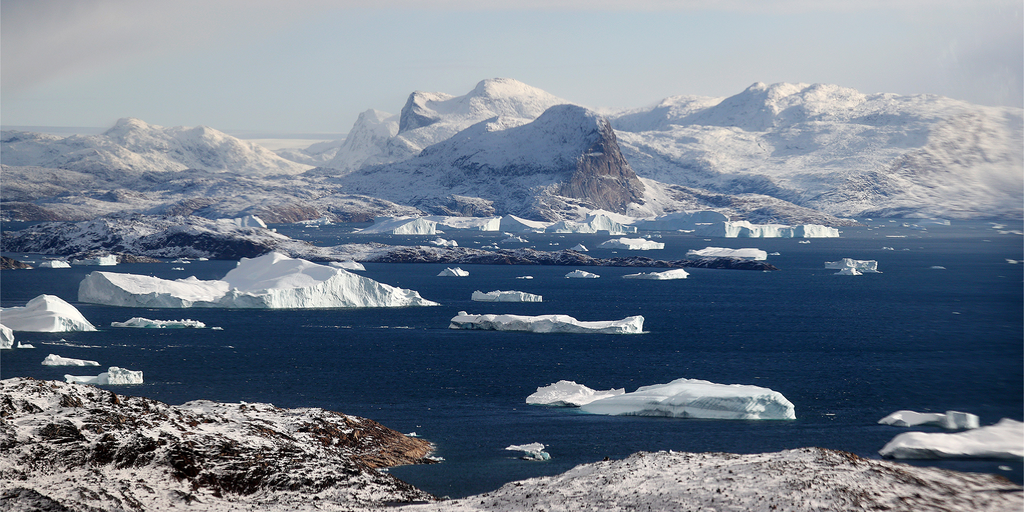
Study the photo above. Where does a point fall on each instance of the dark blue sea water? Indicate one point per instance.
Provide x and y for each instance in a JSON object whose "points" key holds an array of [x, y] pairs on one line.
{"points": [[845, 350]]}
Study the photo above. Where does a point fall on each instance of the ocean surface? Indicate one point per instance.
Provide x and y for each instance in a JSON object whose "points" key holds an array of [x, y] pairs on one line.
{"points": [[940, 328]]}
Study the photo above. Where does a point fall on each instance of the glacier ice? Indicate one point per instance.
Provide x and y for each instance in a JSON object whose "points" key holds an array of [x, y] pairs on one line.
{"points": [[595, 223], [102, 261], [952, 420], [581, 274], [402, 226], [114, 376], [849, 271], [567, 393], [6, 337], [348, 265], [45, 313], [515, 224], [466, 223], [453, 272], [676, 273], [858, 265], [54, 264], [725, 252], [55, 360], [266, 282], [632, 244], [505, 296], [146, 323], [534, 451], [1000, 441], [546, 324], [692, 398], [744, 229]]}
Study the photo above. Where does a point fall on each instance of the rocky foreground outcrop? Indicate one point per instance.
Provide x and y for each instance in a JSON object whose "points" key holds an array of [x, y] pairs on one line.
{"points": [[76, 447]]}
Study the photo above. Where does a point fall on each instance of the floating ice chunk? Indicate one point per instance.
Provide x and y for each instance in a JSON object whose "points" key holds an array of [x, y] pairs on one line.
{"points": [[114, 376], [46, 313], [937, 267], [524, 277], [1004, 440], [25, 345], [546, 324], [513, 238], [517, 225], [146, 323], [55, 360], [567, 393], [6, 337], [132, 290], [54, 264], [581, 274], [453, 272], [466, 223], [594, 224], [347, 265], [681, 221], [691, 398], [322, 221], [849, 271], [505, 296], [103, 261], [579, 248], [860, 265], [534, 451], [952, 420], [676, 273], [402, 226], [744, 229], [725, 252], [632, 244], [441, 242]]}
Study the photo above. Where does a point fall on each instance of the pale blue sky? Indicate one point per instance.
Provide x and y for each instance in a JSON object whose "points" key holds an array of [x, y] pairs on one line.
{"points": [[312, 66]]}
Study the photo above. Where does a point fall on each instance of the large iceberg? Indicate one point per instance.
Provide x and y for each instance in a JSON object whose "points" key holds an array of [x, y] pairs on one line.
{"points": [[581, 274], [676, 273], [850, 263], [595, 223], [45, 313], [402, 226], [453, 272], [952, 420], [270, 281], [567, 393], [467, 223], [55, 360], [114, 376], [744, 229], [534, 451], [725, 252], [102, 261], [6, 337], [1004, 440], [691, 398], [632, 244], [54, 264], [546, 324], [145, 323], [506, 296]]}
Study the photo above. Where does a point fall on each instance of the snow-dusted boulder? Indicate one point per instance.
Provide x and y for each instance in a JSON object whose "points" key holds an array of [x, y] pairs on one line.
{"points": [[145, 323], [100, 261], [54, 264], [348, 265], [1004, 440], [579, 248], [45, 313], [725, 252], [632, 244], [506, 296], [441, 242], [453, 272], [952, 420], [114, 376], [859, 265], [6, 337], [55, 360], [546, 324], [567, 393], [581, 274], [514, 224], [534, 451], [676, 273], [402, 226], [267, 282], [692, 398]]}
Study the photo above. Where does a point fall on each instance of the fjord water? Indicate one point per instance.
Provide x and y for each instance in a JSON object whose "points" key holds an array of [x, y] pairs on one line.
{"points": [[846, 350]]}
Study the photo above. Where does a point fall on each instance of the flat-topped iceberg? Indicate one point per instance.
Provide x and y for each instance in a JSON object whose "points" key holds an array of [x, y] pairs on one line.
{"points": [[632, 244], [692, 398], [55, 360], [466, 223], [45, 313], [546, 324], [725, 252], [534, 451], [1004, 440], [145, 323], [506, 296], [744, 229], [581, 274], [676, 273], [567, 393], [114, 376], [453, 272], [402, 226], [952, 420], [595, 223], [850, 263], [270, 281]]}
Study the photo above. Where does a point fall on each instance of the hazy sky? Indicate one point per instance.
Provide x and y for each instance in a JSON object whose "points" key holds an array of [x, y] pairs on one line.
{"points": [[313, 65]]}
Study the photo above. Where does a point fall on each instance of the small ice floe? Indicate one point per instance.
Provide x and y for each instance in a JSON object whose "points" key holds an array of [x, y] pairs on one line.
{"points": [[677, 273], [513, 238], [937, 267], [951, 420], [25, 345], [860, 266], [55, 360], [524, 277], [453, 272], [774, 254], [1012, 262], [804, 242], [534, 451], [181, 260], [506, 296], [999, 441], [567, 393], [145, 323], [581, 274], [887, 248], [177, 268], [546, 324], [114, 376], [441, 242]]}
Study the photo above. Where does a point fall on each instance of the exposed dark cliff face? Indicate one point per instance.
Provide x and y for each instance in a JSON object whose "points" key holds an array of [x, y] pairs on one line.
{"points": [[603, 177], [415, 113]]}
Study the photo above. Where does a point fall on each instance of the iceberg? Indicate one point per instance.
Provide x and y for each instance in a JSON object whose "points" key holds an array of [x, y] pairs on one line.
{"points": [[348, 265], [102, 261], [581, 274], [322, 221], [54, 264], [676, 273], [632, 244], [567, 393], [534, 451], [441, 242], [453, 272], [515, 224], [681, 221], [55, 360], [467, 223], [849, 271], [45, 313], [114, 376], [1004, 440], [6, 337], [744, 229], [546, 324], [503, 296], [270, 281], [595, 223], [579, 248], [952, 420], [692, 398], [402, 226], [145, 323], [725, 252], [858, 265]]}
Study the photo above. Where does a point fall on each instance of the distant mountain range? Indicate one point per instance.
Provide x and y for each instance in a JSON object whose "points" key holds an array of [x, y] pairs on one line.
{"points": [[790, 153]]}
